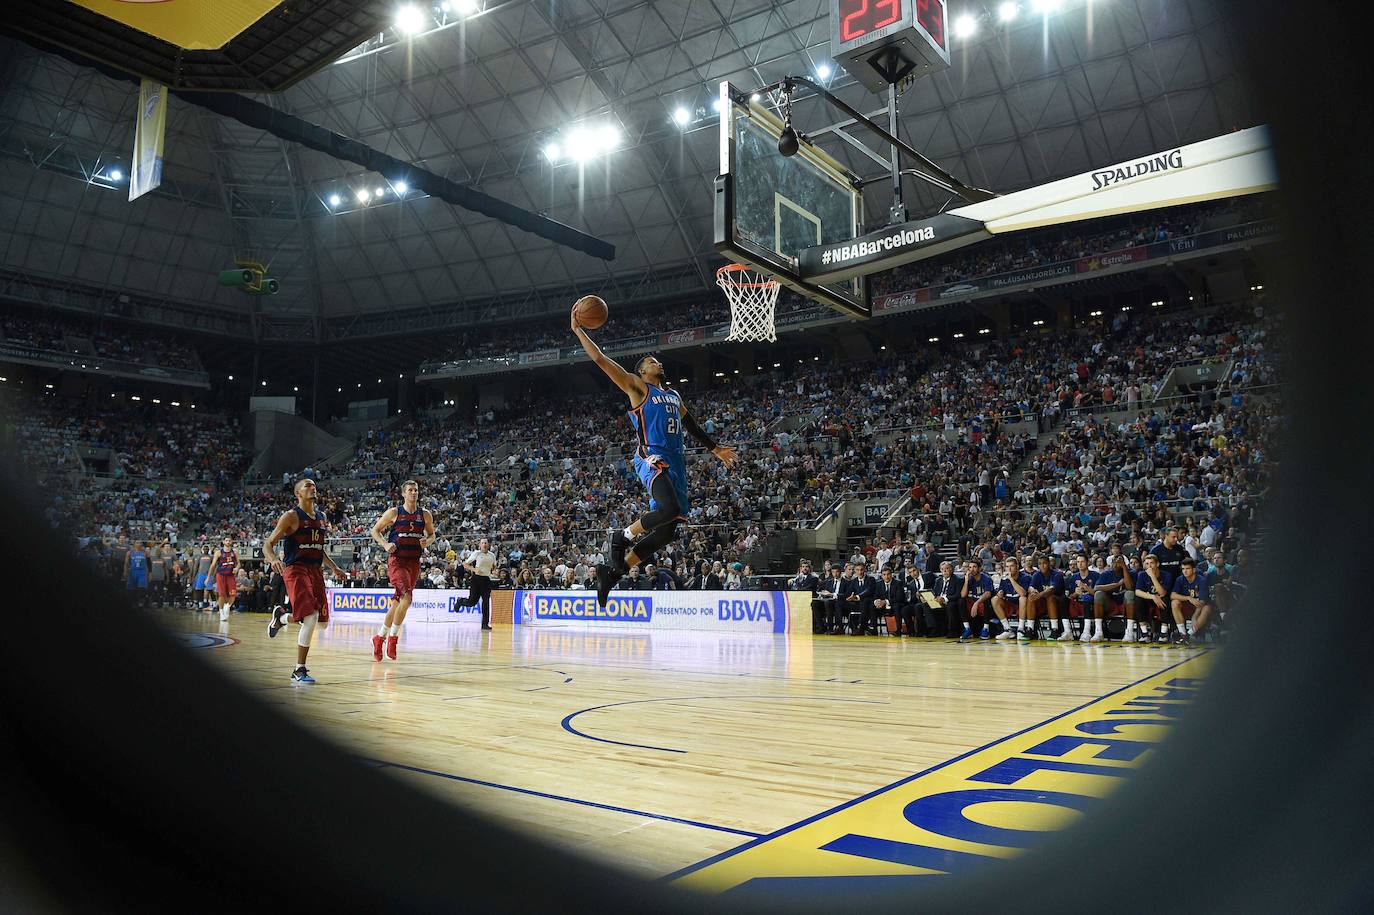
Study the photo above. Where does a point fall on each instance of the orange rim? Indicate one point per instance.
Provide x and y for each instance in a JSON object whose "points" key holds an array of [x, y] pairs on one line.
{"points": [[723, 275]]}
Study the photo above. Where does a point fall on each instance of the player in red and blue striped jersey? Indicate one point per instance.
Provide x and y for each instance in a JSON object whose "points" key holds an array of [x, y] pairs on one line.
{"points": [[226, 576], [403, 531], [659, 419], [302, 532]]}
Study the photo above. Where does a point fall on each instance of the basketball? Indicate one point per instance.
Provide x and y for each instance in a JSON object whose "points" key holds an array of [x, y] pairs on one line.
{"points": [[590, 311]]}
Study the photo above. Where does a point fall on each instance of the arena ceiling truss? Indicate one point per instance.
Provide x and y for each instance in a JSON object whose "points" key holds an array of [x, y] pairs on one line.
{"points": [[480, 102]]}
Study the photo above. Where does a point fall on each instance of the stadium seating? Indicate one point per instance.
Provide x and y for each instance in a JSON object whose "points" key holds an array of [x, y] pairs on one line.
{"points": [[931, 424]]}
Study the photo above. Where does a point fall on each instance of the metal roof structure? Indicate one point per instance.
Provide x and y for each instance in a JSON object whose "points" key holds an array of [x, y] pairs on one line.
{"points": [[478, 99]]}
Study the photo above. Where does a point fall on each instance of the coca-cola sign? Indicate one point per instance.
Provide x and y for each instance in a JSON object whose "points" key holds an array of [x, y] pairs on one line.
{"points": [[678, 337]]}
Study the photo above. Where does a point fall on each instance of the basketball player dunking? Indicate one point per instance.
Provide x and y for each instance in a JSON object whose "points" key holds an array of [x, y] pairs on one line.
{"points": [[303, 529], [226, 577], [659, 419], [403, 531]]}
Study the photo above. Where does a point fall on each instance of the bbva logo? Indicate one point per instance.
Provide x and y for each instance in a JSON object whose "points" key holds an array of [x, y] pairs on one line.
{"points": [[744, 610]]}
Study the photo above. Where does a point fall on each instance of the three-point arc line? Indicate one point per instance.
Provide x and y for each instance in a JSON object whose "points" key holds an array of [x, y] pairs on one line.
{"points": [[567, 721]]}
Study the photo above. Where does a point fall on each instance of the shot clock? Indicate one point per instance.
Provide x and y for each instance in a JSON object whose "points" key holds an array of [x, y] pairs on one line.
{"points": [[883, 41]]}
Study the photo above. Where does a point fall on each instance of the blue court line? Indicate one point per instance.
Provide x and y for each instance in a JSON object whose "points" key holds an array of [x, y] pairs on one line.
{"points": [[884, 684], [692, 868], [382, 764], [641, 746]]}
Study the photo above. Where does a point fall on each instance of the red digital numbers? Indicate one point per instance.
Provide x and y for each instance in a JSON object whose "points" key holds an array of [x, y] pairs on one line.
{"points": [[930, 15], [859, 17]]}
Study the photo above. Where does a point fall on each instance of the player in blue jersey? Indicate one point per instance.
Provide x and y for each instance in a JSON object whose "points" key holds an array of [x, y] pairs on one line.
{"points": [[136, 572], [659, 420]]}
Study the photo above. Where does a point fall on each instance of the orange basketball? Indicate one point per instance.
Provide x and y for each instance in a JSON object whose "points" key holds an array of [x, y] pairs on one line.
{"points": [[590, 311]]}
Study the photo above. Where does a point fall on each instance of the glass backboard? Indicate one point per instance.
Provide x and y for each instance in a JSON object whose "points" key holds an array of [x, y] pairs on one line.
{"points": [[770, 206]]}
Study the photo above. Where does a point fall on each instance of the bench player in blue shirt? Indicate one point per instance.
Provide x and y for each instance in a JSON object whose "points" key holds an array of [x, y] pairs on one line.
{"points": [[659, 419], [1190, 592]]}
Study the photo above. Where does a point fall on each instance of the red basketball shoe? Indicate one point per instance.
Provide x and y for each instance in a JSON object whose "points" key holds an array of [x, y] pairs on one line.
{"points": [[376, 648], [391, 647]]}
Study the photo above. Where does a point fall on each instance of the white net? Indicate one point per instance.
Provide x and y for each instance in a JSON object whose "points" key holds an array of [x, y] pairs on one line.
{"points": [[753, 296]]}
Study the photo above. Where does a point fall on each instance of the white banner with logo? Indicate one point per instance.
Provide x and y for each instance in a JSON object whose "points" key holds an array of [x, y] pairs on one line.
{"points": [[149, 131], [427, 604], [721, 611]]}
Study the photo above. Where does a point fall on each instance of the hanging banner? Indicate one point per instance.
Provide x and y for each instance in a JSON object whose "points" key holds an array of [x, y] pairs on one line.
{"points": [[146, 173]]}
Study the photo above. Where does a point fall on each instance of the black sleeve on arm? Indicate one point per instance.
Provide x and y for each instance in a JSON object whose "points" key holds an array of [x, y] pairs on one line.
{"points": [[690, 424]]}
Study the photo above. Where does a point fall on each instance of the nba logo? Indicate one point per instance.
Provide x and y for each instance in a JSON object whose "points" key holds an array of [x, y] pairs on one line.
{"points": [[527, 610]]}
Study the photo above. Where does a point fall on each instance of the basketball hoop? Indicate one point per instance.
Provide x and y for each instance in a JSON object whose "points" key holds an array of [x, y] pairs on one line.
{"points": [[753, 295]]}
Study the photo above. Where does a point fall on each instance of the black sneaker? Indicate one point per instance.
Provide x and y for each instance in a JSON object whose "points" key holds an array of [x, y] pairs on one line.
{"points": [[301, 675], [620, 544], [275, 624], [606, 577], [1182, 639]]}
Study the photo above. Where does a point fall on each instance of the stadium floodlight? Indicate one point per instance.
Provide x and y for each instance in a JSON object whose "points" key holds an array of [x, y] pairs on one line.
{"points": [[580, 144], [462, 7], [552, 152], [264, 382], [335, 200], [116, 175], [400, 187], [1038, 321], [379, 191], [1094, 314], [755, 98], [932, 339], [1007, 11], [681, 116], [607, 138], [965, 26], [823, 71], [716, 105], [1045, 7], [363, 196], [409, 19], [231, 377], [1125, 308], [985, 330], [959, 336], [296, 388]]}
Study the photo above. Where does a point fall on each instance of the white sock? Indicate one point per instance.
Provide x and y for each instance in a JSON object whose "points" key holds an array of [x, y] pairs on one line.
{"points": [[396, 629], [382, 630], [1097, 626], [223, 614], [1068, 627], [1130, 628]]}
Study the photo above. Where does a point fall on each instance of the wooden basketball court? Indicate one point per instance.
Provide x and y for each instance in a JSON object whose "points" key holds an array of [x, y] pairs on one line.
{"points": [[659, 750]]}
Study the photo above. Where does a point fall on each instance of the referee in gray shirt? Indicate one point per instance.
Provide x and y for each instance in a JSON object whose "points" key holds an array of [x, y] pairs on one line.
{"points": [[480, 564]]}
